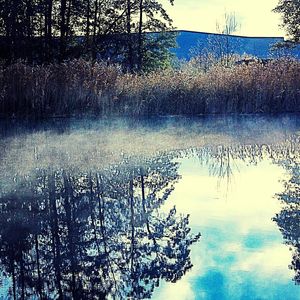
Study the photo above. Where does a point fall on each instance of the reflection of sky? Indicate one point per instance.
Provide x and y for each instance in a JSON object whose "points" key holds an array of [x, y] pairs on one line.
{"points": [[241, 254], [5, 283]]}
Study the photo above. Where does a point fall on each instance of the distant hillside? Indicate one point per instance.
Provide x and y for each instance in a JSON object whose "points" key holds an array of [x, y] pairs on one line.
{"points": [[255, 46]]}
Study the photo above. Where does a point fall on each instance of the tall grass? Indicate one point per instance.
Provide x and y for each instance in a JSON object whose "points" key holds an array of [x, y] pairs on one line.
{"points": [[81, 87]]}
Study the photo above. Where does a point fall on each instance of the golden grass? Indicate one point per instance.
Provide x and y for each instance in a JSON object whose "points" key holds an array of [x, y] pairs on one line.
{"points": [[80, 87]]}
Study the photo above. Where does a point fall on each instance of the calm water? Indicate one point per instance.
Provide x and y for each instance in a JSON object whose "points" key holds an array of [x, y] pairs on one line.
{"points": [[166, 208]]}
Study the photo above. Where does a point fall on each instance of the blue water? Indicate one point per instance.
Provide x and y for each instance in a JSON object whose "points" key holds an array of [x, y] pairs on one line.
{"points": [[166, 208], [241, 254]]}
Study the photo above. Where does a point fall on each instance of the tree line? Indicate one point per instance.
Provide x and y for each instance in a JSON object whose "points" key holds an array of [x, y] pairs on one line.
{"points": [[91, 235], [55, 30]]}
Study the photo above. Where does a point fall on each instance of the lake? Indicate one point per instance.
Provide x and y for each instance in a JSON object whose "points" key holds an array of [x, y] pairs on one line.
{"points": [[161, 208]]}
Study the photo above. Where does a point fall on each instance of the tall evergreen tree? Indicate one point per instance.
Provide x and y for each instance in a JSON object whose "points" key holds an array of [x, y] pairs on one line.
{"points": [[55, 30], [290, 11]]}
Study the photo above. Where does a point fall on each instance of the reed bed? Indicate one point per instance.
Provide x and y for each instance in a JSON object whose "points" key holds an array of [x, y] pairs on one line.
{"points": [[80, 87]]}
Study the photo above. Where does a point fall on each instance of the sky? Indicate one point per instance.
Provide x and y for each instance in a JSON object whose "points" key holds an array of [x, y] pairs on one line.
{"points": [[255, 17]]}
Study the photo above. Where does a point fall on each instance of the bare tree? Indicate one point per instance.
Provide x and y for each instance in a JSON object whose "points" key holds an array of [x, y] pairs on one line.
{"points": [[220, 47], [223, 44]]}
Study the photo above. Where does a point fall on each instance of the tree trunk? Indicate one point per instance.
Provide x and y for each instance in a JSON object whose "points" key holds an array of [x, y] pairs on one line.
{"points": [[68, 193], [132, 245], [140, 37], [13, 271], [129, 37], [95, 24], [37, 250], [48, 30], [55, 235], [63, 29]]}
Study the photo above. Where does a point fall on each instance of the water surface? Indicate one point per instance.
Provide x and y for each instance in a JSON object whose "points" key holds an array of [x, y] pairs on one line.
{"points": [[164, 208]]}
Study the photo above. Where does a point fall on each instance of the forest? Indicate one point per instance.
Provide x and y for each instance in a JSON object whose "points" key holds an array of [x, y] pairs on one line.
{"points": [[107, 58], [41, 31], [88, 235]]}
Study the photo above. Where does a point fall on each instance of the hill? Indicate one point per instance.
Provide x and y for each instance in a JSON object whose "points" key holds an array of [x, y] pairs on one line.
{"points": [[254, 46]]}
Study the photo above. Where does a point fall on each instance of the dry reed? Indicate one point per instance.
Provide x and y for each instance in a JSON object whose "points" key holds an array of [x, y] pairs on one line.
{"points": [[80, 87]]}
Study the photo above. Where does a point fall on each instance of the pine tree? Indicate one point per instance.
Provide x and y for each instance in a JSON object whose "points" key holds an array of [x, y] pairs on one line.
{"points": [[290, 11]]}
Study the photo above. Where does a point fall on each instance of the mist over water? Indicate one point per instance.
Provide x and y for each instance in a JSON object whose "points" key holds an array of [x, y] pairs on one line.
{"points": [[161, 208], [92, 144]]}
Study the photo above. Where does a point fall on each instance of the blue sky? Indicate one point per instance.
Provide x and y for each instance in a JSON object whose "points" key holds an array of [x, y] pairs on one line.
{"points": [[256, 16]]}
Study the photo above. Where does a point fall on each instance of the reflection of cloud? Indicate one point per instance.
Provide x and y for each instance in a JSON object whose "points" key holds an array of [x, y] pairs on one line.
{"points": [[232, 247], [265, 262], [182, 290], [241, 255]]}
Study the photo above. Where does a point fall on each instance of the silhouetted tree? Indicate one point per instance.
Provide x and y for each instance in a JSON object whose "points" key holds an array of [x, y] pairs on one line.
{"points": [[55, 30], [290, 11], [288, 219], [87, 235]]}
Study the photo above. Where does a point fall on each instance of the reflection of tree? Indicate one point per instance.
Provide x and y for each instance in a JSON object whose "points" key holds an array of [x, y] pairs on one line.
{"points": [[288, 219], [89, 235], [222, 162]]}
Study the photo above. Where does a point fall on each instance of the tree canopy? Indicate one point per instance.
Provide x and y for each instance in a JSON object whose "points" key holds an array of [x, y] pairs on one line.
{"points": [[91, 235], [55, 30], [290, 11]]}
